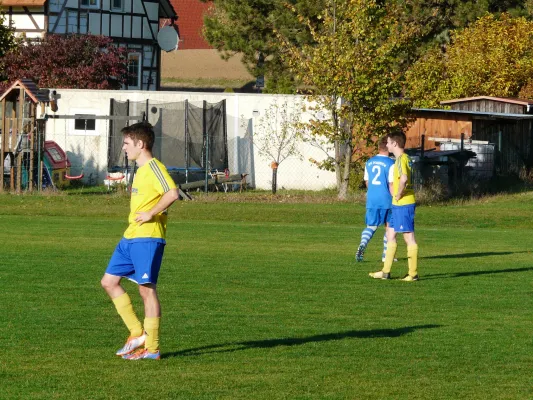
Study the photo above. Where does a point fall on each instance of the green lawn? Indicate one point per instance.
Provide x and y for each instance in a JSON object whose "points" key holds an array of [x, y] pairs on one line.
{"points": [[263, 300]]}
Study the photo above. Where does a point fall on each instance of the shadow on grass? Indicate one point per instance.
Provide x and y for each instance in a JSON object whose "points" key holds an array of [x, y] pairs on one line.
{"points": [[474, 273], [466, 255], [472, 255], [270, 343]]}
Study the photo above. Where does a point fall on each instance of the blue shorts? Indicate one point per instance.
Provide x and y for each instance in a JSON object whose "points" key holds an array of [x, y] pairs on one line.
{"points": [[377, 216], [403, 218], [138, 260]]}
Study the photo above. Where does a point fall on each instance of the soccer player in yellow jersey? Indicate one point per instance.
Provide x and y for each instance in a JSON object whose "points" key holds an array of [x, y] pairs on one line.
{"points": [[403, 211], [138, 255]]}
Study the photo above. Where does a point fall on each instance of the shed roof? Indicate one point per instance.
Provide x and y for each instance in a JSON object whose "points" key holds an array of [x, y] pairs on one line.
{"points": [[449, 153], [510, 100], [477, 114], [31, 90]]}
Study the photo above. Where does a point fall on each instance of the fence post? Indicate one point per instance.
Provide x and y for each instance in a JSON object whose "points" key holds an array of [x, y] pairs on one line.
{"points": [[145, 119], [3, 144], [206, 141], [225, 130], [110, 133], [422, 168], [39, 155], [187, 141], [461, 164], [126, 161]]}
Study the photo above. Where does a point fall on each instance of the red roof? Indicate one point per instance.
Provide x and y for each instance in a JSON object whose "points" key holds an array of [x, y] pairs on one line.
{"points": [[190, 23], [21, 3]]}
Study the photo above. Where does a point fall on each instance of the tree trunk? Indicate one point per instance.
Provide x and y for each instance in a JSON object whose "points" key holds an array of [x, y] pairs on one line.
{"points": [[274, 180], [343, 189], [338, 162]]}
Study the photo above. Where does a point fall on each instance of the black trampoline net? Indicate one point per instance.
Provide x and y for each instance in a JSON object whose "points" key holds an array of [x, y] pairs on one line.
{"points": [[190, 139]]}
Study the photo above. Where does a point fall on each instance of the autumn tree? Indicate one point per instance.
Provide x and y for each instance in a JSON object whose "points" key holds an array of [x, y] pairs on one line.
{"points": [[492, 57], [74, 61], [245, 27], [356, 72]]}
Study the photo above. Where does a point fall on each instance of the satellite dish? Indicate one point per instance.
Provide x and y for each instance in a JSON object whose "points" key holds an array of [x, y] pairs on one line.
{"points": [[167, 38]]}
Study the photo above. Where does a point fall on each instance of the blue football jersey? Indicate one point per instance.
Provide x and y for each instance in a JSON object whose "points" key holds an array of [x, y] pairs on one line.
{"points": [[378, 173]]}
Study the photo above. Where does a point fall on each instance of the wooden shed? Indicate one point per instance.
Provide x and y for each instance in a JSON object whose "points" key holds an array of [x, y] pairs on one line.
{"points": [[505, 123]]}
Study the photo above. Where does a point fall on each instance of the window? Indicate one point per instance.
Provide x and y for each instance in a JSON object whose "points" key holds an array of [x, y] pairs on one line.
{"points": [[85, 124], [72, 21], [90, 3], [84, 22], [134, 70], [116, 4], [55, 155]]}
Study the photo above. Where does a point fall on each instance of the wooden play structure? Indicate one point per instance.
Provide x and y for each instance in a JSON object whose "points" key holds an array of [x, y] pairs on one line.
{"points": [[22, 136]]}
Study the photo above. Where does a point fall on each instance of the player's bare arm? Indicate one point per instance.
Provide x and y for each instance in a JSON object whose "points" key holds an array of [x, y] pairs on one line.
{"points": [[401, 187], [166, 201]]}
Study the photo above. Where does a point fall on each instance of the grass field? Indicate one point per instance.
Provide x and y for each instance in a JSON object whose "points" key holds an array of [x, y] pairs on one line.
{"points": [[263, 300]]}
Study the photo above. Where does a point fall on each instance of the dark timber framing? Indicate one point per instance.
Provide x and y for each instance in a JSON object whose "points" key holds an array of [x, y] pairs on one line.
{"points": [[143, 23]]}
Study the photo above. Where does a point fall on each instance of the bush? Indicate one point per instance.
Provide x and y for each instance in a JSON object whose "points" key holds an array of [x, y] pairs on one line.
{"points": [[432, 191], [357, 182]]}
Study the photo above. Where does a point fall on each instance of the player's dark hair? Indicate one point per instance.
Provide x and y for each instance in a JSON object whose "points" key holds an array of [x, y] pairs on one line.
{"points": [[382, 145], [143, 131], [398, 137]]}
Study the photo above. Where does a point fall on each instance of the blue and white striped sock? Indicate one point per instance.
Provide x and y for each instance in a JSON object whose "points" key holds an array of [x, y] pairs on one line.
{"points": [[384, 246], [367, 234]]}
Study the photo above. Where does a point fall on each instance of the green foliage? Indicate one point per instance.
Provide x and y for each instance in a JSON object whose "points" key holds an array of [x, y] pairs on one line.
{"points": [[357, 182], [355, 69], [439, 18], [7, 37], [246, 27], [492, 57]]}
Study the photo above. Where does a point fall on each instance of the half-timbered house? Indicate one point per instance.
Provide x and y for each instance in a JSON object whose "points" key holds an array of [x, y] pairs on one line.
{"points": [[130, 23]]}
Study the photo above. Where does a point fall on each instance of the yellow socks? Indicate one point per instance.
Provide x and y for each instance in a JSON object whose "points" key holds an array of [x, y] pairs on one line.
{"points": [[125, 310], [151, 326], [412, 259], [389, 257]]}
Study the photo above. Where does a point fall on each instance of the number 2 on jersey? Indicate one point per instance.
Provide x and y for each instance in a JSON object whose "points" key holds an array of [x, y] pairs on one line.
{"points": [[376, 170]]}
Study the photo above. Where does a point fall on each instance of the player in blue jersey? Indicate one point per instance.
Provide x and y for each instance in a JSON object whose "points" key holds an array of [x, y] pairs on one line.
{"points": [[378, 179]]}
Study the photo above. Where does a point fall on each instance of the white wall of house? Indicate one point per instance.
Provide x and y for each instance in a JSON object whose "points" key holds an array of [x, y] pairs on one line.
{"points": [[23, 22], [244, 112], [118, 24]]}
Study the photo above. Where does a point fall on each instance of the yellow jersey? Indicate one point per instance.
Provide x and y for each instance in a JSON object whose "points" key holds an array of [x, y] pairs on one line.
{"points": [[151, 182], [403, 166]]}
